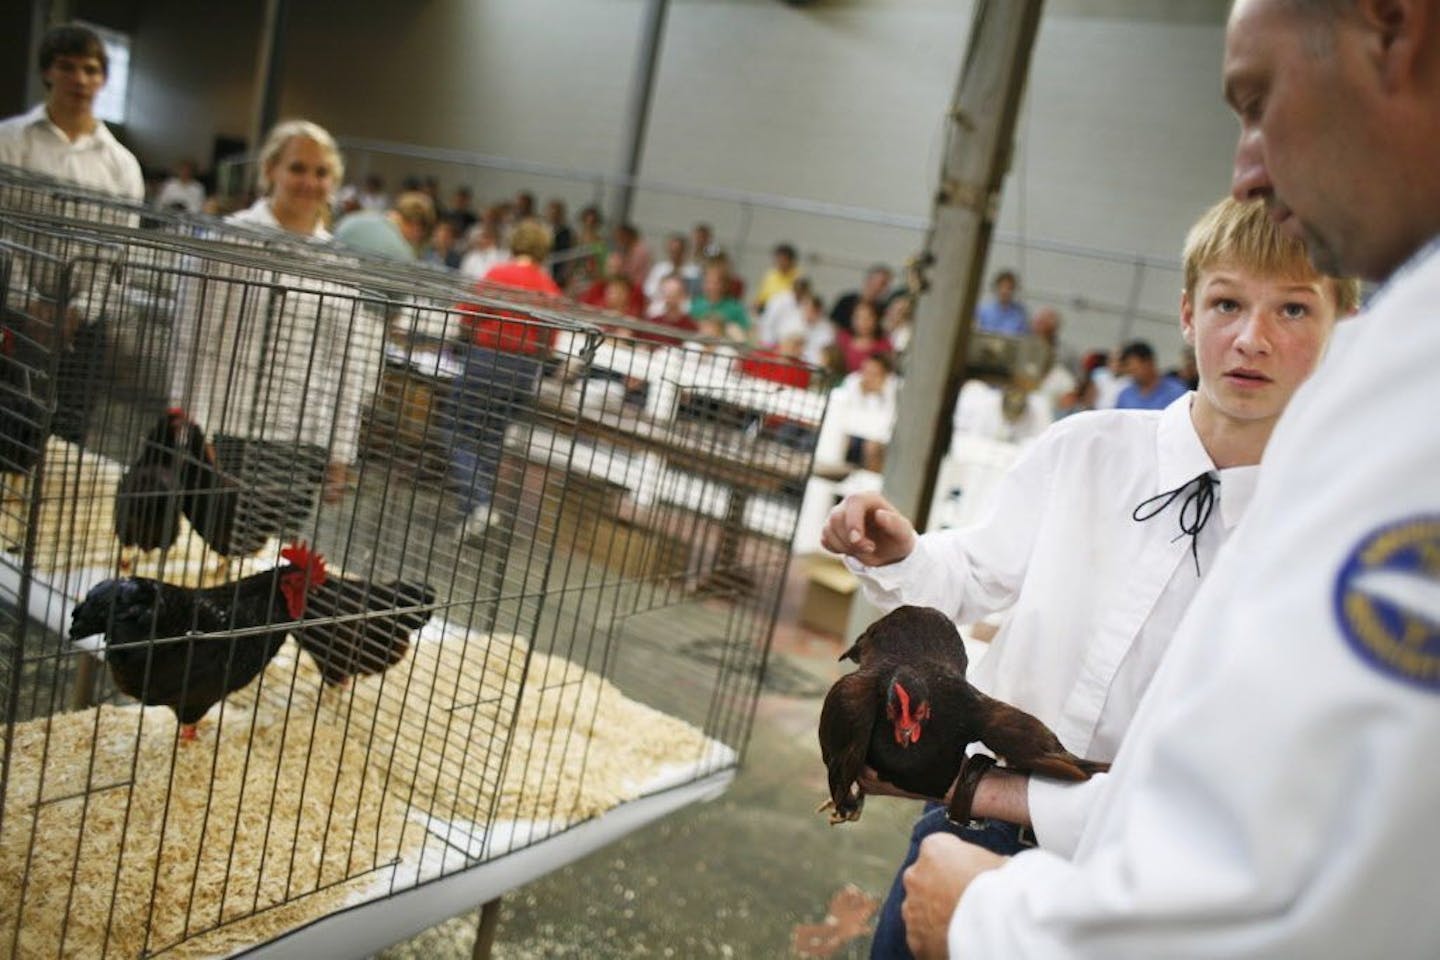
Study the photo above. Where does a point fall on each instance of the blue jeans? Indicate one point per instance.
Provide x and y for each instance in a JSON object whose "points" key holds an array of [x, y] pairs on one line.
{"points": [[494, 388], [994, 835]]}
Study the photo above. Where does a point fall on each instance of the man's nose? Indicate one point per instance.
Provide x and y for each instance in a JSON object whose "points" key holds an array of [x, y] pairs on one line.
{"points": [[1250, 179]]}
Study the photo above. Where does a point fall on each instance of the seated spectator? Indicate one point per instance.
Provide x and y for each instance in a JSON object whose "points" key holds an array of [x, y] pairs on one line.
{"points": [[635, 258], [819, 331], [1109, 380], [897, 322], [865, 340], [676, 261], [874, 291], [1148, 390], [482, 252], [564, 240], [711, 327], [614, 291], [524, 207], [999, 411], [373, 196], [702, 242], [782, 316], [397, 233], [1003, 313], [462, 210], [674, 310], [589, 241], [182, 191], [445, 248], [865, 404], [1059, 378], [784, 270], [714, 299]]}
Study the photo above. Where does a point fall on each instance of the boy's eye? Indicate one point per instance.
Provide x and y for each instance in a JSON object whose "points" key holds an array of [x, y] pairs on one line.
{"points": [[1295, 311], [1225, 305]]}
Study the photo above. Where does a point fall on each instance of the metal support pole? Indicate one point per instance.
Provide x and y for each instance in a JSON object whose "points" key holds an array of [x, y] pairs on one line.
{"points": [[270, 63], [981, 129], [485, 931], [642, 85]]}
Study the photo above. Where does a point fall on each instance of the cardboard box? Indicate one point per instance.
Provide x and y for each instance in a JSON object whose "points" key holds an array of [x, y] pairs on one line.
{"points": [[829, 590]]}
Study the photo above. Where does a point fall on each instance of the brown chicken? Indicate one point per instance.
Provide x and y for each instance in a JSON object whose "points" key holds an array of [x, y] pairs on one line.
{"points": [[909, 713]]}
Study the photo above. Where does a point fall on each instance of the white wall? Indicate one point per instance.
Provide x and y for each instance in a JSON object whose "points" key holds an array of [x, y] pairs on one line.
{"points": [[1124, 139]]}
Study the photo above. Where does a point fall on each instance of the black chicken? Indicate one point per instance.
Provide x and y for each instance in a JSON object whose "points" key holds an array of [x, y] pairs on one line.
{"points": [[211, 501], [189, 676], [366, 644], [912, 670], [147, 501]]}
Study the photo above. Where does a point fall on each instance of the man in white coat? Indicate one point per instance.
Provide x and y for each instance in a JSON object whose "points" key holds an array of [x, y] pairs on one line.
{"points": [[1276, 794]]}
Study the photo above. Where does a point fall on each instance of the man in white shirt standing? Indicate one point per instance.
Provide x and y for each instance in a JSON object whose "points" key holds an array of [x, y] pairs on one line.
{"points": [[1098, 537], [63, 138], [1276, 795]]}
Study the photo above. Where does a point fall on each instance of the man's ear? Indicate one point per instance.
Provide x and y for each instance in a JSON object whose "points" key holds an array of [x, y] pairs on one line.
{"points": [[1187, 318], [1402, 30]]}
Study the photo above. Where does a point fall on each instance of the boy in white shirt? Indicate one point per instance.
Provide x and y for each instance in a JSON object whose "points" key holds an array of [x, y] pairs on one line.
{"points": [[1099, 535]]}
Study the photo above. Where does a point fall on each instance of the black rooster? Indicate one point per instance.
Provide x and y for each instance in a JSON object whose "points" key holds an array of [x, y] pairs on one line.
{"points": [[138, 615], [912, 671], [147, 501], [366, 644]]}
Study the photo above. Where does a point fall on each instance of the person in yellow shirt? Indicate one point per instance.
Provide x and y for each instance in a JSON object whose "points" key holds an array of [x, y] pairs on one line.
{"points": [[781, 276]]}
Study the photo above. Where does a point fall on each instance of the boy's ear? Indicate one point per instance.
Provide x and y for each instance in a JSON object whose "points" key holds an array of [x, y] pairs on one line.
{"points": [[1187, 318]]}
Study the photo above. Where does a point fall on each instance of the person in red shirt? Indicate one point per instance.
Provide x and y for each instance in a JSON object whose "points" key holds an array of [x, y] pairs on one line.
{"points": [[503, 360]]}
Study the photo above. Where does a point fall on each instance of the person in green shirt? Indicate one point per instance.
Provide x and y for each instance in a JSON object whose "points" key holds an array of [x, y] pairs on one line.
{"points": [[713, 298]]}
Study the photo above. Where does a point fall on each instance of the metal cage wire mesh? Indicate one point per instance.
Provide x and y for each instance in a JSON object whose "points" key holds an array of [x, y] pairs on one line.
{"points": [[554, 542]]}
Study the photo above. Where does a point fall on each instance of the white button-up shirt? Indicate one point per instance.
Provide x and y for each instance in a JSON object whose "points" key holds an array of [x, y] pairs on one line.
{"points": [[1096, 594], [1277, 794], [95, 160]]}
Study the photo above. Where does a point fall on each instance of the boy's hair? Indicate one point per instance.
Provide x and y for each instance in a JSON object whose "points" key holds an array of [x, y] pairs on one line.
{"points": [[287, 130], [414, 206], [531, 238], [1002, 276], [1244, 235], [72, 41]]}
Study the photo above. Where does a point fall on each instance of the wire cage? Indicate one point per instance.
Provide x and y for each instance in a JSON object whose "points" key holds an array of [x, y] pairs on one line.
{"points": [[331, 585]]}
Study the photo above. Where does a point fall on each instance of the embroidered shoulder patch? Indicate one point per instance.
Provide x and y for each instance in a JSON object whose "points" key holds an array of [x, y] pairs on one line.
{"points": [[1387, 600]]}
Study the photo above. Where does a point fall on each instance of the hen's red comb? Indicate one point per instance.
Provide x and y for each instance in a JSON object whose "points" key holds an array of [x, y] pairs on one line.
{"points": [[300, 555]]}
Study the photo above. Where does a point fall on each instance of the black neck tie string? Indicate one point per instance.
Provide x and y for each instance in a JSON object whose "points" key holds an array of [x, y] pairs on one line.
{"points": [[1195, 509]]}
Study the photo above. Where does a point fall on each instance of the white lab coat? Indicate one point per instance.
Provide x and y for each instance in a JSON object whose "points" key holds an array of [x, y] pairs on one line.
{"points": [[1096, 594], [1277, 796]]}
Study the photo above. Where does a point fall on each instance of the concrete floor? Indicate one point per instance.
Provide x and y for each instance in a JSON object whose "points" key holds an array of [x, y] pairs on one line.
{"points": [[753, 874]]}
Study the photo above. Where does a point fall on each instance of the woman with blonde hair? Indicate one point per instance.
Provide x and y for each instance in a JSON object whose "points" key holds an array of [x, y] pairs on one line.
{"points": [[276, 367]]}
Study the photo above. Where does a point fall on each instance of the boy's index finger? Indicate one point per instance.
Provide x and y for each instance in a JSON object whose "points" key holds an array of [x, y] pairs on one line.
{"points": [[856, 509]]}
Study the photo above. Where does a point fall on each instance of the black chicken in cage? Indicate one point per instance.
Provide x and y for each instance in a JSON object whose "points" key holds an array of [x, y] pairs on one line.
{"points": [[431, 706]]}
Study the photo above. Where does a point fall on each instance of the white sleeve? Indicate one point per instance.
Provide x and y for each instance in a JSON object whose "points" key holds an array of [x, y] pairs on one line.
{"points": [[975, 571], [363, 353], [1059, 810]]}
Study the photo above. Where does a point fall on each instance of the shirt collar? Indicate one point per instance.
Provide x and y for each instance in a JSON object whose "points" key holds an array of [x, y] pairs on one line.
{"points": [[1181, 457], [260, 214], [38, 116]]}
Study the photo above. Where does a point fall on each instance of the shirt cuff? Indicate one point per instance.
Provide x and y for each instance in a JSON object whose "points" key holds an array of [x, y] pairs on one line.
{"points": [[1059, 811], [996, 916], [884, 586]]}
